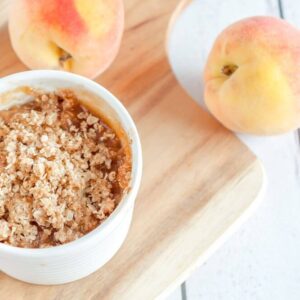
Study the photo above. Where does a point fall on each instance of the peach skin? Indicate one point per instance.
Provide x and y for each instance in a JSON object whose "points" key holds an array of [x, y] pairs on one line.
{"points": [[80, 36], [252, 76]]}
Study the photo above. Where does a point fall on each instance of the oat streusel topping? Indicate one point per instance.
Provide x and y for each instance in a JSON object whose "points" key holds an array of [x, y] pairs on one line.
{"points": [[62, 171]]}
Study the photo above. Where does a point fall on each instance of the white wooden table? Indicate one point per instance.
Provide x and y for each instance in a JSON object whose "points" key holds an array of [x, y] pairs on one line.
{"points": [[262, 259]]}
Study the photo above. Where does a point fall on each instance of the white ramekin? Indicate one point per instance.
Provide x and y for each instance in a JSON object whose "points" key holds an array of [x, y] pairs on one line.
{"points": [[79, 258]]}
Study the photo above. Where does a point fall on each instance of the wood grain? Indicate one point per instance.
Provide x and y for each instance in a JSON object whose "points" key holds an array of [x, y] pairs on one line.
{"points": [[198, 178]]}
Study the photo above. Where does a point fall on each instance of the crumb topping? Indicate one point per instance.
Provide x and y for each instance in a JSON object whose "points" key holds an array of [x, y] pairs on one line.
{"points": [[63, 171]]}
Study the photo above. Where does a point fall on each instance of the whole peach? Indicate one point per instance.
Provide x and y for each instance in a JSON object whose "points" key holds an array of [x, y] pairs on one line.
{"points": [[252, 76], [80, 36]]}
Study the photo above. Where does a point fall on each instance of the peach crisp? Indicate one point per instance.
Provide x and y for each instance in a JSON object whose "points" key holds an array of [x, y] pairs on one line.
{"points": [[63, 171]]}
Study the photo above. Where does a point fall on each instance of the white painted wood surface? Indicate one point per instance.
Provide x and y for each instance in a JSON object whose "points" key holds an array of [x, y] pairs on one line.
{"points": [[176, 295], [291, 11], [262, 260]]}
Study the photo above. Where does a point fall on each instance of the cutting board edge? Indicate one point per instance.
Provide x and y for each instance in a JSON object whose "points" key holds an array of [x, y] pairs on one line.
{"points": [[260, 174]]}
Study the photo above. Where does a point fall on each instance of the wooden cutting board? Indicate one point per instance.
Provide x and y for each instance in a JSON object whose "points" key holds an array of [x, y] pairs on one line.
{"points": [[198, 179]]}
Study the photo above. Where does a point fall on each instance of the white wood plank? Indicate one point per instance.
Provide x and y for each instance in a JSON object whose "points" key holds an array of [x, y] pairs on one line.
{"points": [[291, 11], [175, 295], [261, 261]]}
